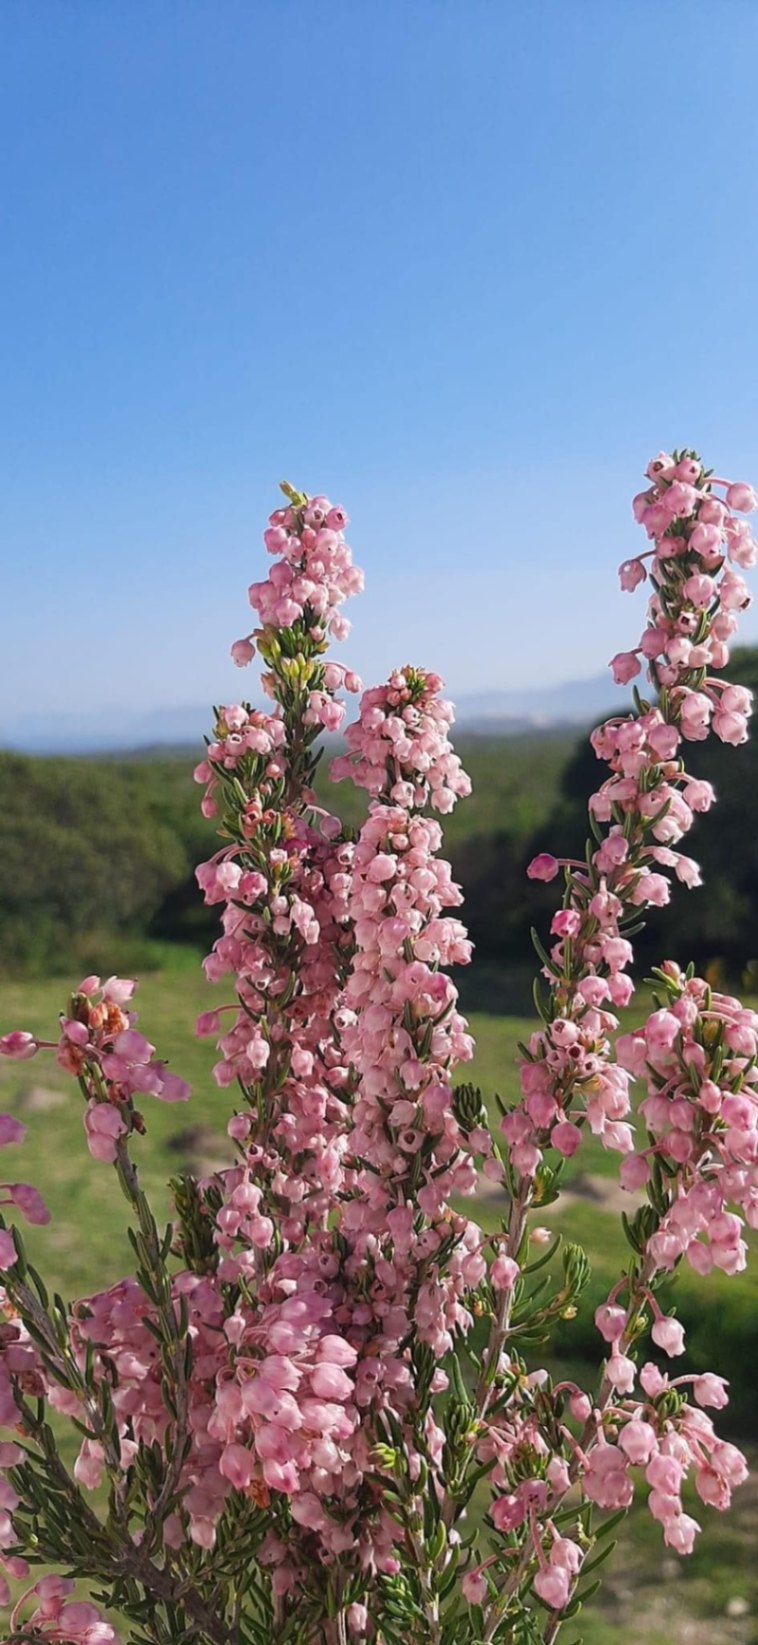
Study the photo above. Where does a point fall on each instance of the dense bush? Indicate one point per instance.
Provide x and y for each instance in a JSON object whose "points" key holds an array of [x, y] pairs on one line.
{"points": [[717, 926], [89, 852]]}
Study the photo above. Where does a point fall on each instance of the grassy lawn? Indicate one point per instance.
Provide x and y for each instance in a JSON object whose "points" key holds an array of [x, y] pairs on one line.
{"points": [[647, 1595], [84, 1247]]}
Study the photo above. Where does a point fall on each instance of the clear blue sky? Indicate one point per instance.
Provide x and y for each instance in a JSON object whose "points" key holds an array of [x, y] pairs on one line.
{"points": [[463, 264]]}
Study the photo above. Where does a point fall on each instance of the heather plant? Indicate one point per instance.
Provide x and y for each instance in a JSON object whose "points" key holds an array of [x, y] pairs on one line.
{"points": [[316, 1413]]}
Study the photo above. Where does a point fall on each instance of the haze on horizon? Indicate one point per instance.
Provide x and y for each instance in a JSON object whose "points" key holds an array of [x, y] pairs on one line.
{"points": [[463, 267]]}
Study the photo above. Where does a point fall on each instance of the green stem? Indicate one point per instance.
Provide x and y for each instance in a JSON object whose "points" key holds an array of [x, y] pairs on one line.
{"points": [[175, 1338]]}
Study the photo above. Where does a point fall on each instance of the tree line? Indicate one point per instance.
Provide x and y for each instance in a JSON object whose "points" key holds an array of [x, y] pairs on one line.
{"points": [[97, 856]]}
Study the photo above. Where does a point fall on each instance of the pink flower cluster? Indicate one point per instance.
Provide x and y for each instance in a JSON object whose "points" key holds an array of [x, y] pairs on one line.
{"points": [[56, 1617], [697, 1057], [297, 1402], [397, 999], [21, 1195], [402, 1034], [396, 892], [287, 913], [403, 727], [669, 1439], [312, 576], [99, 1044], [568, 1078], [660, 1433], [646, 805], [336, 1273], [697, 593], [376, 911], [242, 731], [270, 1398]]}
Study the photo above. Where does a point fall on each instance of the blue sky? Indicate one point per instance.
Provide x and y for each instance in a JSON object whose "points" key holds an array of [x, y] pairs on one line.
{"points": [[463, 264]]}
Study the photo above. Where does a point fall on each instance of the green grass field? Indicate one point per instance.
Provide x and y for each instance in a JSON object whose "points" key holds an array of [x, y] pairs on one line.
{"points": [[647, 1594], [84, 1195]]}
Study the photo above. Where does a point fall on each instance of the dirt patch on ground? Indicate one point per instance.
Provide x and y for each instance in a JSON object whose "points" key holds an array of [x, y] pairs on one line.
{"points": [[588, 1189], [200, 1150], [603, 1192], [40, 1099]]}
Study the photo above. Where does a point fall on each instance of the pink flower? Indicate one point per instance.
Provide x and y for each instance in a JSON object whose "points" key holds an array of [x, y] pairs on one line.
{"points": [[103, 1126], [621, 1371], [610, 1321], [30, 1203], [638, 1441], [566, 923], [706, 540], [641, 505], [543, 867], [631, 573], [118, 990], [741, 497], [133, 1047], [580, 1406], [634, 1173], [11, 1130], [662, 1031], [653, 1381], [553, 1584], [173, 1089], [474, 1587], [699, 590], [695, 710], [329, 1381], [566, 1137], [679, 1533], [661, 467], [336, 1351], [650, 888], [307, 1510], [711, 1390], [242, 653], [19, 1045], [507, 1512], [503, 1273], [699, 794], [236, 1465], [665, 1473], [681, 500], [730, 728], [625, 665], [668, 1334], [209, 1022], [606, 1480]]}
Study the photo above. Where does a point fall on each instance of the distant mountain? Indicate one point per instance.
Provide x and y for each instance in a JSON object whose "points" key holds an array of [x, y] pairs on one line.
{"points": [[104, 732], [577, 702], [503, 712]]}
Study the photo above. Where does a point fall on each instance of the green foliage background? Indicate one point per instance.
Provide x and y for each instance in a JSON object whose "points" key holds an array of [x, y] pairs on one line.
{"points": [[97, 864], [97, 856]]}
